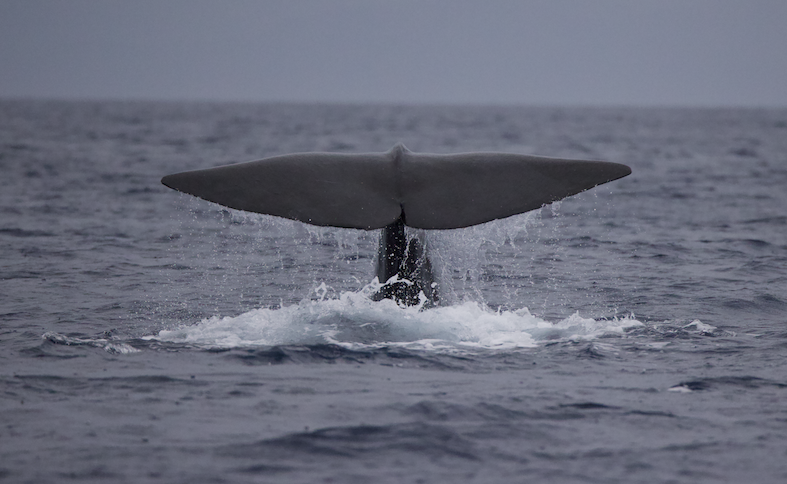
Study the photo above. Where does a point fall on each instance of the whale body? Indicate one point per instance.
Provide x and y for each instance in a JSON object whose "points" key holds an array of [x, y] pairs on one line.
{"points": [[394, 190]]}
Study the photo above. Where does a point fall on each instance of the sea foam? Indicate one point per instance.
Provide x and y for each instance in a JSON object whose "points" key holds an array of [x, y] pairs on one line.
{"points": [[354, 320]]}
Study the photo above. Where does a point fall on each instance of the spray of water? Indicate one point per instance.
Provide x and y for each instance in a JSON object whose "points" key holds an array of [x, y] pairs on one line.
{"points": [[493, 261]]}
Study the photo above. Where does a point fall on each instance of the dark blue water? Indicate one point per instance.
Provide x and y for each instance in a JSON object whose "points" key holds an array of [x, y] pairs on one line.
{"points": [[633, 333]]}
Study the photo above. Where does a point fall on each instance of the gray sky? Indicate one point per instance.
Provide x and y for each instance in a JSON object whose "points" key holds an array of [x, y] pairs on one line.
{"points": [[621, 52]]}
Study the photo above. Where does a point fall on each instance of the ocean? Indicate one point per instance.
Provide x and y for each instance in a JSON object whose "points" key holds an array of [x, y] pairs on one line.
{"points": [[636, 332]]}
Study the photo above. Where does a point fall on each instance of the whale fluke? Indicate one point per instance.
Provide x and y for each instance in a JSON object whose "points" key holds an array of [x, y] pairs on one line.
{"points": [[372, 191], [395, 190]]}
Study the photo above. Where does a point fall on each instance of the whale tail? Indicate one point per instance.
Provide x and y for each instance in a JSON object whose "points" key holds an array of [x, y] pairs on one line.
{"points": [[395, 189], [372, 191]]}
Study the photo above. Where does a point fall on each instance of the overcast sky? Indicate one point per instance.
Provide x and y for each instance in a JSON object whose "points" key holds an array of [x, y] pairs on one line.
{"points": [[621, 52]]}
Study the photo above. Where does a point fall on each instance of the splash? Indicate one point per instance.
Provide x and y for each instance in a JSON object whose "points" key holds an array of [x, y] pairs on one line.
{"points": [[353, 320]]}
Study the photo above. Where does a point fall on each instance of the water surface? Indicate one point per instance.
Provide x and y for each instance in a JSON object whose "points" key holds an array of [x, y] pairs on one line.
{"points": [[632, 333]]}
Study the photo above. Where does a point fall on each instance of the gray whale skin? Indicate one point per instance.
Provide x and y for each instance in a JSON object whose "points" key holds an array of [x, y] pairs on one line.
{"points": [[395, 189]]}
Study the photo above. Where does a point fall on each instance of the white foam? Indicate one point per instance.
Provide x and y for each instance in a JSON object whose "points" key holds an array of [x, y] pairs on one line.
{"points": [[680, 389], [700, 327], [106, 345], [354, 320]]}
